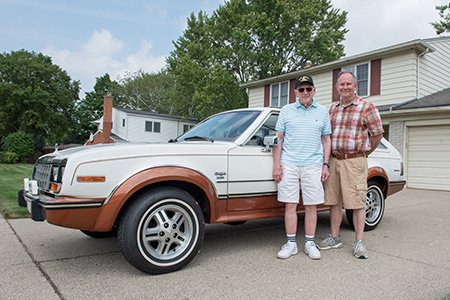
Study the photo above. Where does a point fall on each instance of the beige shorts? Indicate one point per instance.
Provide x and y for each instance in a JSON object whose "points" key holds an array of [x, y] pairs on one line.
{"points": [[307, 178], [347, 184]]}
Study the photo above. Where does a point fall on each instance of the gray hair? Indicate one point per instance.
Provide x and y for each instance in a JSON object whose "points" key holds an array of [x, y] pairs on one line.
{"points": [[346, 72]]}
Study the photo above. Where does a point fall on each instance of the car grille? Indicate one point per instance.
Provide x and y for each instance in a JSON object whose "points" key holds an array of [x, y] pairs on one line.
{"points": [[42, 174]]}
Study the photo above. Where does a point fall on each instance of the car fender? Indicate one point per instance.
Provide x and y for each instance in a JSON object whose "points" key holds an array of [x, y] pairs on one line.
{"points": [[380, 175], [111, 209]]}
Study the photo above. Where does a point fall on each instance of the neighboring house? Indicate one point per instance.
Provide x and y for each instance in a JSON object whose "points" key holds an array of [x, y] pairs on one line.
{"points": [[128, 125], [408, 82]]}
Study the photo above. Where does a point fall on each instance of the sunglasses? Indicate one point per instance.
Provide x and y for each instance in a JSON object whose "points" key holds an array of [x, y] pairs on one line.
{"points": [[308, 89]]}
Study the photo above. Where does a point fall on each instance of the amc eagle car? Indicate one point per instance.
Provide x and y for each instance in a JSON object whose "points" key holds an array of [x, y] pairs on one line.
{"points": [[157, 197]]}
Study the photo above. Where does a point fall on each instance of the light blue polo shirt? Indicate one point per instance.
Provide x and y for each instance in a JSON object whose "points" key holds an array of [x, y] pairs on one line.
{"points": [[303, 129]]}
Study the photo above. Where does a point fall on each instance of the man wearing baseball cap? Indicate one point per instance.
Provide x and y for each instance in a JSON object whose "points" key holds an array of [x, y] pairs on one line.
{"points": [[300, 163]]}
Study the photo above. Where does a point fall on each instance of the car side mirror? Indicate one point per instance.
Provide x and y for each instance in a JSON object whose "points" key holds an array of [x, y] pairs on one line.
{"points": [[269, 141]]}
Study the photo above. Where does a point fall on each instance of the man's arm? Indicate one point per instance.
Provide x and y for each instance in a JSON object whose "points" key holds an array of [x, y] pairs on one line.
{"points": [[326, 144], [374, 141], [277, 172]]}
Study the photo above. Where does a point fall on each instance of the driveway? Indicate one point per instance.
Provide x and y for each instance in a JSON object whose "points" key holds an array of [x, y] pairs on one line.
{"points": [[409, 259]]}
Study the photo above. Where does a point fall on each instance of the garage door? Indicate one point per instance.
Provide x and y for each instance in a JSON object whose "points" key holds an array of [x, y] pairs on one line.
{"points": [[428, 165]]}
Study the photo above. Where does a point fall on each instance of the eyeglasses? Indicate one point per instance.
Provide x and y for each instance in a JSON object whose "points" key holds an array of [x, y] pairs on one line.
{"points": [[308, 89]]}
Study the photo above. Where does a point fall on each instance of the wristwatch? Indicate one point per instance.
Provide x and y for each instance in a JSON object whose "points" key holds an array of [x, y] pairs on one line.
{"points": [[326, 164]]}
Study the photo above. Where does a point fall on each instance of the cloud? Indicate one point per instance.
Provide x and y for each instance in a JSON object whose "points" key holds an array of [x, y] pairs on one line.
{"points": [[377, 24], [103, 53]]}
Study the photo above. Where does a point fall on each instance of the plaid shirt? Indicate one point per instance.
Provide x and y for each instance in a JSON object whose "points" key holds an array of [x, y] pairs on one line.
{"points": [[352, 124]]}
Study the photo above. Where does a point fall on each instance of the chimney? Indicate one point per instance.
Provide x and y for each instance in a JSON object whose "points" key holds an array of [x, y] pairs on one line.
{"points": [[104, 136], [107, 116]]}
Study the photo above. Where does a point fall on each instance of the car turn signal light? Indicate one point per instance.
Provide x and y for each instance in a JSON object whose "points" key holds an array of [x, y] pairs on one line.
{"points": [[91, 178]]}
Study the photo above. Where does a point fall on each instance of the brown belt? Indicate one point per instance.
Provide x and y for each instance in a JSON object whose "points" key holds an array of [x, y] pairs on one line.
{"points": [[347, 155]]}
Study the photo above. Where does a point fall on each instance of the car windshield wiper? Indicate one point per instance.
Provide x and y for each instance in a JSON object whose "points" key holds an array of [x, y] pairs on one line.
{"points": [[196, 137]]}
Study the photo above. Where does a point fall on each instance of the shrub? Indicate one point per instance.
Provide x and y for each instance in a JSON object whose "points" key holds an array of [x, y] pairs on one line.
{"points": [[7, 157], [20, 143]]}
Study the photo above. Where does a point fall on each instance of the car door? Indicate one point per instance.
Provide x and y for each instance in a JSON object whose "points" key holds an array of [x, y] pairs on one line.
{"points": [[250, 182]]}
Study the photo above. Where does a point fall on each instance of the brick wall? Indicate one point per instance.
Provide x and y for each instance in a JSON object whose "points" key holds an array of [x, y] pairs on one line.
{"points": [[397, 135]]}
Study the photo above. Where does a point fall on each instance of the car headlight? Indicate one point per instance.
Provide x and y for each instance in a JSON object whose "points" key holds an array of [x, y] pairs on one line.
{"points": [[54, 175]]}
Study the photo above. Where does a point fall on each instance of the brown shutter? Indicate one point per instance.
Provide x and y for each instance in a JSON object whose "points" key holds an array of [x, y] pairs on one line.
{"points": [[292, 90], [375, 77], [266, 95], [335, 95]]}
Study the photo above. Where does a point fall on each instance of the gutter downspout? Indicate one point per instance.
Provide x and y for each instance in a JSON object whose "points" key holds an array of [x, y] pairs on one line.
{"points": [[418, 71]]}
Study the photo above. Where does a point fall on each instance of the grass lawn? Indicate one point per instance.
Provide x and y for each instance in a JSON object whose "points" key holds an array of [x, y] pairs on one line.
{"points": [[11, 181]]}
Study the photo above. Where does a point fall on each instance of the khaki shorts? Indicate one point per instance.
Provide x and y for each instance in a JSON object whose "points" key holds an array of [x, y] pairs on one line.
{"points": [[347, 184], [307, 178]]}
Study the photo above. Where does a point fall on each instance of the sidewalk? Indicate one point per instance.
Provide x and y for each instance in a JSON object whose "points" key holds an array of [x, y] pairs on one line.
{"points": [[20, 277]]}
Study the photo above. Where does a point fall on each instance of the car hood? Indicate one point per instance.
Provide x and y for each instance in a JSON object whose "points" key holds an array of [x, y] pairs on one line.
{"points": [[127, 150]]}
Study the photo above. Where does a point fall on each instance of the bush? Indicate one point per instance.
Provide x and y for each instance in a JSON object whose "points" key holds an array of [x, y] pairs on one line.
{"points": [[20, 143], [7, 157]]}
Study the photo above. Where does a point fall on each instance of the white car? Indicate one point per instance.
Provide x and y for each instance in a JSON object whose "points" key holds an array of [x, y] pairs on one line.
{"points": [[158, 197]]}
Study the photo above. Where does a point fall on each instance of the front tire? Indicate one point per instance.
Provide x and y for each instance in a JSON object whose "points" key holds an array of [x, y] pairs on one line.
{"points": [[161, 231], [99, 234], [375, 204]]}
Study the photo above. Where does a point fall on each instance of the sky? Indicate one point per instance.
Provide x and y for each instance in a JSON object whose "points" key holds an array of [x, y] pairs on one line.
{"points": [[88, 38]]}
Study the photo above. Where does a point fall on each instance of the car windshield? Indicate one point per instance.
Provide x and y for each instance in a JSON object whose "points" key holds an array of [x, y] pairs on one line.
{"points": [[223, 127]]}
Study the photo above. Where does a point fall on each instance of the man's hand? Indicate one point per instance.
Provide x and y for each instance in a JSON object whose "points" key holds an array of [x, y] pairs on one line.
{"points": [[325, 173], [277, 173]]}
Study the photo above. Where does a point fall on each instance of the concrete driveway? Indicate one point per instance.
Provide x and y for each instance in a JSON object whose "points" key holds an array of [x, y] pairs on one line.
{"points": [[409, 259]]}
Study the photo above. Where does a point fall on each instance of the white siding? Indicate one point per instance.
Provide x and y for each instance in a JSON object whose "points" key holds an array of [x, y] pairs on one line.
{"points": [[404, 76], [323, 83], [137, 133], [180, 127], [398, 79], [256, 97], [117, 119], [434, 72]]}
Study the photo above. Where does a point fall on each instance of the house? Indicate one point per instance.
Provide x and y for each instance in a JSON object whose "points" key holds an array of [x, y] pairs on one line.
{"points": [[410, 85], [128, 125]]}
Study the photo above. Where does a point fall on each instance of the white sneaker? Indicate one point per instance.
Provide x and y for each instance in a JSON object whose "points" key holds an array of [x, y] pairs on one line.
{"points": [[311, 250], [287, 250]]}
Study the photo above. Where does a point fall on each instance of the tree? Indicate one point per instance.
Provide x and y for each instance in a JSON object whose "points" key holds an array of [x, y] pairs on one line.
{"points": [[147, 91], [90, 108], [250, 40], [36, 97], [442, 25]]}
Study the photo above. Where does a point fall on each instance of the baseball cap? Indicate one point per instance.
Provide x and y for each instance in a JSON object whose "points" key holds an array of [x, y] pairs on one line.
{"points": [[304, 79]]}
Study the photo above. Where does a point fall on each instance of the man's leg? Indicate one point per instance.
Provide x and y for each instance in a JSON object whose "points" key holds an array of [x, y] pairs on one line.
{"points": [[290, 225], [310, 231], [359, 220], [290, 218], [333, 241], [335, 220], [310, 220]]}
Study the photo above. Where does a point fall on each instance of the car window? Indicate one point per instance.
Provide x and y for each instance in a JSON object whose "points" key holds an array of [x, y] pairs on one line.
{"points": [[222, 127], [267, 128]]}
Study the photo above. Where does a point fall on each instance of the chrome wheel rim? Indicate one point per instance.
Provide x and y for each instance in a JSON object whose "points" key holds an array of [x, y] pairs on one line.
{"points": [[166, 232], [374, 204]]}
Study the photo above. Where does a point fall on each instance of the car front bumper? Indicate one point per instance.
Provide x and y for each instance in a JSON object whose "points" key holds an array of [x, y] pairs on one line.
{"points": [[31, 202], [71, 212]]}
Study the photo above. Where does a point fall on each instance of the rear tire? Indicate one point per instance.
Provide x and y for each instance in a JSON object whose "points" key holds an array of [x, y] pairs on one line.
{"points": [[375, 204], [161, 231]]}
